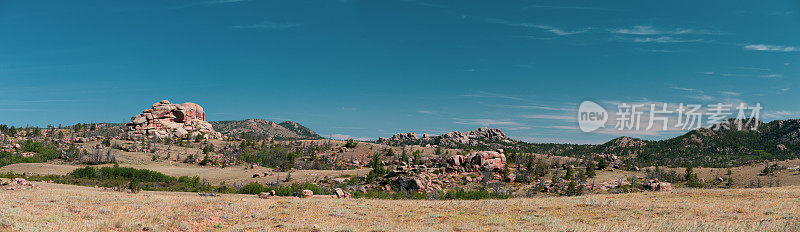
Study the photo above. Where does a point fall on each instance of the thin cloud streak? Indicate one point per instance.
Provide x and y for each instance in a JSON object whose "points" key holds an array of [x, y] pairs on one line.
{"points": [[650, 30], [556, 117], [571, 7], [660, 39], [771, 48], [547, 28], [485, 122]]}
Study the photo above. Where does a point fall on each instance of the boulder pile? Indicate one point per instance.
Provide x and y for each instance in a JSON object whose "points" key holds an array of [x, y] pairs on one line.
{"points": [[475, 137], [341, 193], [478, 160], [16, 184], [655, 185], [431, 175], [167, 120]]}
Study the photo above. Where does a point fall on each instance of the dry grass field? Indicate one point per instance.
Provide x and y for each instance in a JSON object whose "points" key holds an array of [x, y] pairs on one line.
{"points": [[230, 175], [54, 207]]}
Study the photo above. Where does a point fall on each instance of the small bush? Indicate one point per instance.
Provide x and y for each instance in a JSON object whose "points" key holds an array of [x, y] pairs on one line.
{"points": [[351, 143], [286, 190], [450, 195]]}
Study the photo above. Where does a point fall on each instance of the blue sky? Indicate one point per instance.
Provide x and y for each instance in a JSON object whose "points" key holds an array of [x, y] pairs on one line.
{"points": [[366, 69]]}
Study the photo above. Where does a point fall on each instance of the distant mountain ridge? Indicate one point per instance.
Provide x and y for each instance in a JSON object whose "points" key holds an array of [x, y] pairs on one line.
{"points": [[262, 129], [724, 147]]}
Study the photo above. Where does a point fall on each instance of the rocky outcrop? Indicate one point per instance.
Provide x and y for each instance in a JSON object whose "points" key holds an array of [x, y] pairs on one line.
{"points": [[657, 186], [17, 184], [307, 193], [341, 193], [165, 119], [483, 160], [404, 136], [477, 137]]}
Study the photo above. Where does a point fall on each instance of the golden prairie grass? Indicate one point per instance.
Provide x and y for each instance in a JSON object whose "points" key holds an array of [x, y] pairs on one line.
{"points": [[55, 207]]}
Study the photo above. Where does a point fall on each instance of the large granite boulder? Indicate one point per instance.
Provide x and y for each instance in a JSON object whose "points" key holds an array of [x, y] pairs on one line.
{"points": [[165, 119]]}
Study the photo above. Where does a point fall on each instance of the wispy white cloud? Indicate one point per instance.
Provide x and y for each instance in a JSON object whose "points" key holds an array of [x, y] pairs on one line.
{"points": [[547, 28], [694, 93], [771, 48], [571, 7], [684, 89], [545, 116], [731, 93], [486, 122], [536, 107], [731, 75], [755, 69], [771, 76], [491, 95], [780, 114], [702, 97], [575, 128], [661, 50], [268, 25], [660, 39], [560, 31], [651, 30]]}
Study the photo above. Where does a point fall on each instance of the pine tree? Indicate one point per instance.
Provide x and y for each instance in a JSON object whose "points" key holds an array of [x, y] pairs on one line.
{"points": [[573, 189], [691, 178], [377, 168], [404, 156], [417, 157], [570, 173], [590, 169], [204, 161], [602, 163], [582, 176]]}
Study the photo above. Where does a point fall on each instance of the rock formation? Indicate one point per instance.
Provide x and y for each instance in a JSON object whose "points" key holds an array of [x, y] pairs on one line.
{"points": [[165, 119], [480, 136], [655, 185], [486, 160]]}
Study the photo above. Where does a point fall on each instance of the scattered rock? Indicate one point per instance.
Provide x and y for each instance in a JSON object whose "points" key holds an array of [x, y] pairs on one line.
{"points": [[17, 184], [208, 194], [341, 193], [307, 193], [655, 185], [266, 195]]}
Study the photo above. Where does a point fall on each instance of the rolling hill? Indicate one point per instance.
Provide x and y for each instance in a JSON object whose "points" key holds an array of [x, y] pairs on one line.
{"points": [[260, 129]]}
